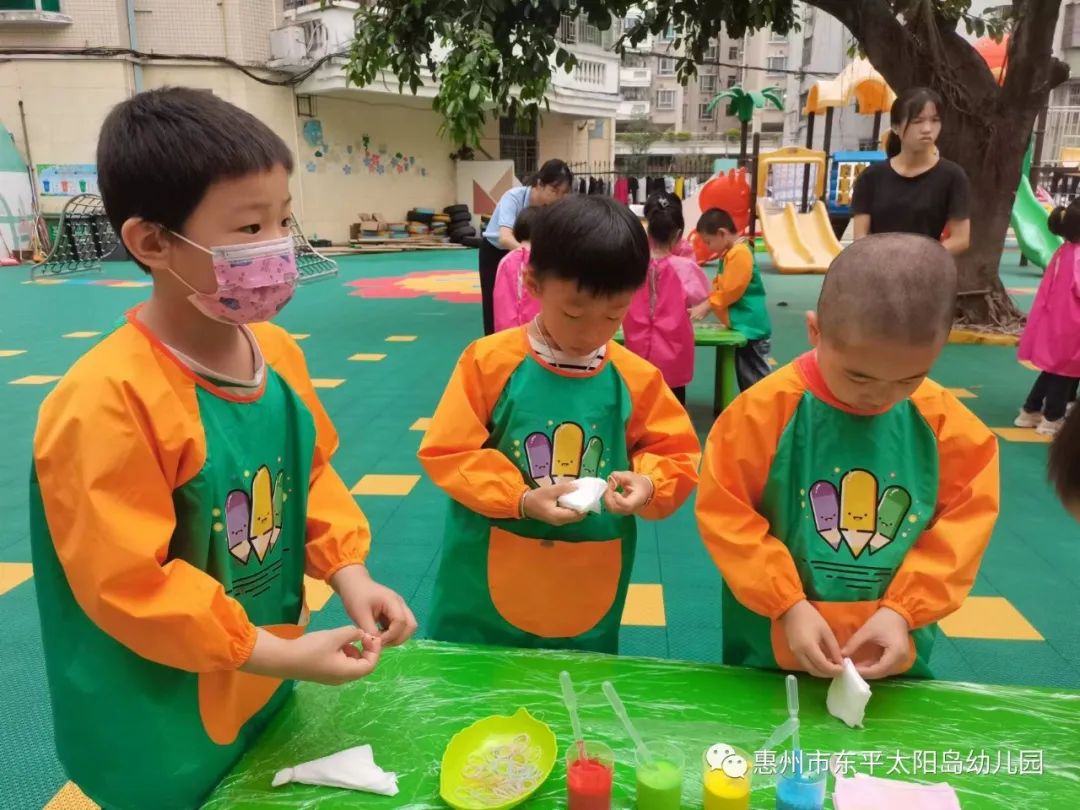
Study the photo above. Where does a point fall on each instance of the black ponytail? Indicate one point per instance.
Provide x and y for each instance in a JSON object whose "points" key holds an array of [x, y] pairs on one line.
{"points": [[553, 173], [892, 144], [1065, 222], [663, 213]]}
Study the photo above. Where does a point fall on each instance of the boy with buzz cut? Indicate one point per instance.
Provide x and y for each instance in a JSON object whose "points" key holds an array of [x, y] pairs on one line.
{"points": [[181, 484], [846, 499]]}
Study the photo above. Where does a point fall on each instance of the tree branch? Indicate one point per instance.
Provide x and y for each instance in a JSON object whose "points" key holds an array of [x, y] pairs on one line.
{"points": [[1032, 70]]}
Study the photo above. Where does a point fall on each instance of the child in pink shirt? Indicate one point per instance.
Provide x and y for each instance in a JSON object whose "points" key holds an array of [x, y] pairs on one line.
{"points": [[1051, 339], [657, 326], [682, 247], [514, 306]]}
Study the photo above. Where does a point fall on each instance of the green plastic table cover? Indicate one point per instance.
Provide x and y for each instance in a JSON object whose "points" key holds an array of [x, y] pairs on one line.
{"points": [[708, 334], [1002, 748]]}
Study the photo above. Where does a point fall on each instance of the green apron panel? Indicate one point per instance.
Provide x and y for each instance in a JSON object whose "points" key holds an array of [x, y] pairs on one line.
{"points": [[849, 495], [242, 520], [523, 583], [749, 314]]}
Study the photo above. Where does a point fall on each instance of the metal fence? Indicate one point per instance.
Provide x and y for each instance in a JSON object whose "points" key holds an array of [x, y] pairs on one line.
{"points": [[1062, 132]]}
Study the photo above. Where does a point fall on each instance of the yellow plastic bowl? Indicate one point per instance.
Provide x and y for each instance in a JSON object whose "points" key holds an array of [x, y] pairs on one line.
{"points": [[482, 764]]}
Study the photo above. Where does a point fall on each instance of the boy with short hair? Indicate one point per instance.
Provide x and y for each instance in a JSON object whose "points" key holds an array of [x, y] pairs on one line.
{"points": [[530, 410], [846, 499], [738, 295], [182, 484]]}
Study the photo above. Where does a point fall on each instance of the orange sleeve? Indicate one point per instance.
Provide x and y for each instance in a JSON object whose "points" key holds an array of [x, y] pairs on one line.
{"points": [[730, 285], [739, 453], [453, 452], [939, 570], [338, 533], [659, 436], [107, 458]]}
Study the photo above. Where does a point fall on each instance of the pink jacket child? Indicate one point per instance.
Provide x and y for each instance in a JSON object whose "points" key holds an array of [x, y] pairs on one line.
{"points": [[657, 326], [1051, 339], [513, 304], [684, 249]]}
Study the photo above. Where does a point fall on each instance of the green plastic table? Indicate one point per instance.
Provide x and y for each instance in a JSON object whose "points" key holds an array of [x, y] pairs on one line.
{"points": [[726, 342], [425, 692]]}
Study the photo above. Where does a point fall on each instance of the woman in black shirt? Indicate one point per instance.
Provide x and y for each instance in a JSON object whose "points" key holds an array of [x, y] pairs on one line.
{"points": [[915, 190]]}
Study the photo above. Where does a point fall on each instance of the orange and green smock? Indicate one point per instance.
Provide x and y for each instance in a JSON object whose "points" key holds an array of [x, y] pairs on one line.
{"points": [[170, 519], [738, 294], [509, 422], [802, 498]]}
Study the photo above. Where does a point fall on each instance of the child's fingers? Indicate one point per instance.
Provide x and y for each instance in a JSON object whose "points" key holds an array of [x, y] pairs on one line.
{"points": [[889, 660]]}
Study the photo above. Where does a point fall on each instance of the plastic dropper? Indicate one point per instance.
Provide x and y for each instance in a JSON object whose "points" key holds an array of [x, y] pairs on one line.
{"points": [[570, 699], [620, 711]]}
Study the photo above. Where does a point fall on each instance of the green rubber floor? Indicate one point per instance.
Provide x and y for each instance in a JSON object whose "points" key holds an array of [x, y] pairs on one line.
{"points": [[1020, 629]]}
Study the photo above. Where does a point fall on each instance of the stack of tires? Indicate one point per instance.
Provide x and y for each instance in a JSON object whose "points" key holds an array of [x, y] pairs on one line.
{"points": [[460, 229]]}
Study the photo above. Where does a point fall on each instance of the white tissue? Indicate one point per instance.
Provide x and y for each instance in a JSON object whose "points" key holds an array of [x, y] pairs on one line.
{"points": [[848, 696], [586, 495], [353, 768]]}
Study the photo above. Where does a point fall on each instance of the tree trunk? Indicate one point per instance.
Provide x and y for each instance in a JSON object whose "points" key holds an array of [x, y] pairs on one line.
{"points": [[986, 126], [744, 129]]}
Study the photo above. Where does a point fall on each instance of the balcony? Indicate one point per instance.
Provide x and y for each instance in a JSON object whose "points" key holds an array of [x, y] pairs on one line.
{"points": [[629, 110], [635, 77], [314, 30]]}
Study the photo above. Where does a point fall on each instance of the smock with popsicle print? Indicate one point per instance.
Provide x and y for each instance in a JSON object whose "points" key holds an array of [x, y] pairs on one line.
{"points": [[170, 519], [507, 423], [801, 498]]}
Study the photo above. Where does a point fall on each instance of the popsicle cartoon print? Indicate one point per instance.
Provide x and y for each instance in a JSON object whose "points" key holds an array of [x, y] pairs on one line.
{"points": [[854, 514], [253, 520], [565, 456]]}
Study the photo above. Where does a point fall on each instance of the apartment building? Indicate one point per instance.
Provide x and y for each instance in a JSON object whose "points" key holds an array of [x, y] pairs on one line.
{"points": [[356, 150], [653, 98]]}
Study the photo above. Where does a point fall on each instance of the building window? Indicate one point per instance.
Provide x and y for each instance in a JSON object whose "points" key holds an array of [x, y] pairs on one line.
{"points": [[807, 49], [732, 80], [1073, 97], [704, 113], [635, 93], [668, 35], [733, 54], [634, 60], [667, 66], [1070, 35], [665, 99], [711, 54], [30, 5], [708, 85], [776, 64], [518, 145]]}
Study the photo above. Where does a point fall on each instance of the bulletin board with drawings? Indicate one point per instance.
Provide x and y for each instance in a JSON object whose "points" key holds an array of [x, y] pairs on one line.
{"points": [[67, 179]]}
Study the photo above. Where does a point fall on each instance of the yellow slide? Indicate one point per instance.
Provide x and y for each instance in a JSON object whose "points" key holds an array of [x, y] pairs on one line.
{"points": [[799, 243]]}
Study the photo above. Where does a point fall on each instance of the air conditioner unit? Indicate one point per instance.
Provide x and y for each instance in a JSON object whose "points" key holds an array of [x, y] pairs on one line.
{"points": [[288, 45]]}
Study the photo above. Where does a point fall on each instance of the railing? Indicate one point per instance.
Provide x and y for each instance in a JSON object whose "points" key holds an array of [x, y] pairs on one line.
{"points": [[1062, 132], [578, 31], [588, 72]]}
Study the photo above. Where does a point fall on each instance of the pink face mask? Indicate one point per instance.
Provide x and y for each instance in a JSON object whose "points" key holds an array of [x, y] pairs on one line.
{"points": [[255, 281]]}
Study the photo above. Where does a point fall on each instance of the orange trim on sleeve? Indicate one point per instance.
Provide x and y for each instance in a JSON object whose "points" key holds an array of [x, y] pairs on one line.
{"points": [[338, 533], [116, 437], [730, 284], [659, 436], [739, 453], [453, 452], [938, 571]]}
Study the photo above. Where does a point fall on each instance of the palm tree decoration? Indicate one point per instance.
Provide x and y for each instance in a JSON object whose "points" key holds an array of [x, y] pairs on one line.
{"points": [[742, 103]]}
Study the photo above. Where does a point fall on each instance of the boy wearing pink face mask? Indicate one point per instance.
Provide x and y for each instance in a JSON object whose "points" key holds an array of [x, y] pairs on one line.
{"points": [[182, 484]]}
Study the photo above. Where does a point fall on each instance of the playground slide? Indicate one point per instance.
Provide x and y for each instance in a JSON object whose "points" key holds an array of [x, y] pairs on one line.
{"points": [[799, 243], [1029, 220]]}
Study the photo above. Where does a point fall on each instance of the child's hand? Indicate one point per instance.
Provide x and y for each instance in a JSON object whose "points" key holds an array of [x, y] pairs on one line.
{"points": [[636, 492], [812, 640], [374, 607], [326, 656], [542, 504], [880, 646], [699, 312]]}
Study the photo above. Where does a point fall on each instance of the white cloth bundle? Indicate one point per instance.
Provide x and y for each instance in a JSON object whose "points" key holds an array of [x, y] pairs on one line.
{"points": [[586, 496], [848, 696], [353, 768]]}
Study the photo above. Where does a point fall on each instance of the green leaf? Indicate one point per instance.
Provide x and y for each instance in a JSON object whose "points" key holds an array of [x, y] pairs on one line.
{"points": [[474, 91]]}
